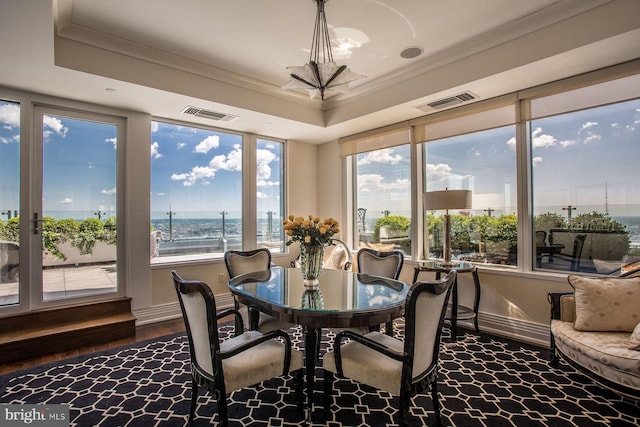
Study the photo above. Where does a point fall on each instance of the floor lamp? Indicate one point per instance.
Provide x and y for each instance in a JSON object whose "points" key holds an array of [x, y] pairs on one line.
{"points": [[446, 200]]}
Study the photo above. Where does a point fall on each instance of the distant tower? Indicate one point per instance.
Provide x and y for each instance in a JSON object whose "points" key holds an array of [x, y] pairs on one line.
{"points": [[606, 198]]}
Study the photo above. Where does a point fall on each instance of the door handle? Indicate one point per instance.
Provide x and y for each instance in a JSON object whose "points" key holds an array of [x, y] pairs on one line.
{"points": [[36, 223]]}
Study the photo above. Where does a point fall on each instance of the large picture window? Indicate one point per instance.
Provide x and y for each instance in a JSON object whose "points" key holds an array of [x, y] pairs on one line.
{"points": [[196, 191], [586, 192], [485, 163]]}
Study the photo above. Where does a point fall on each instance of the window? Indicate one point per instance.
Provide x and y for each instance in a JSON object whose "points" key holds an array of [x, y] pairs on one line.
{"points": [[196, 191], [383, 198], [9, 201], [585, 186], [485, 163], [269, 199]]}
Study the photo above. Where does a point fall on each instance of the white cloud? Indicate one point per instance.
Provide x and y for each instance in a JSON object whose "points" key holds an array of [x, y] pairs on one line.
{"points": [[261, 195], [109, 191], [374, 182], [14, 138], [207, 144], [438, 172], [536, 160], [160, 194], [91, 165], [155, 154], [53, 125], [263, 159], [181, 145], [114, 141], [380, 156], [154, 127], [263, 183], [10, 115], [66, 201], [231, 162], [587, 125], [592, 138]]}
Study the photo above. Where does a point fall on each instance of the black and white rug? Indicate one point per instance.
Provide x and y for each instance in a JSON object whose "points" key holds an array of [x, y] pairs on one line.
{"points": [[484, 381]]}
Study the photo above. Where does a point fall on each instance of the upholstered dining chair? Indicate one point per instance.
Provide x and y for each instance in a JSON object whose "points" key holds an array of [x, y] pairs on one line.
{"points": [[379, 263], [221, 367], [242, 262], [402, 368]]}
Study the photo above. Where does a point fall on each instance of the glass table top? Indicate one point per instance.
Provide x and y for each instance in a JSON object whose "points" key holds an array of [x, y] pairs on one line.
{"points": [[337, 290]]}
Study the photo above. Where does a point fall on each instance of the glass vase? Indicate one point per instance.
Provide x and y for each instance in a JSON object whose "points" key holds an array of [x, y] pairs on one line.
{"points": [[311, 257]]}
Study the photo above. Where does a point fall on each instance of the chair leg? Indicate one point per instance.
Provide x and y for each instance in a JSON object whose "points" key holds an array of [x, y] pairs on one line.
{"points": [[194, 399], [403, 409], [328, 391], [388, 328], [223, 413], [299, 386], [436, 402]]}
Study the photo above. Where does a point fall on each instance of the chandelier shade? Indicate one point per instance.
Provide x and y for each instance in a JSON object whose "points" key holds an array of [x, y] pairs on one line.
{"points": [[321, 74]]}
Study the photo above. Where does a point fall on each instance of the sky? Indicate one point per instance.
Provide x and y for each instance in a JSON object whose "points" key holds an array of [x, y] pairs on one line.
{"points": [[578, 159]]}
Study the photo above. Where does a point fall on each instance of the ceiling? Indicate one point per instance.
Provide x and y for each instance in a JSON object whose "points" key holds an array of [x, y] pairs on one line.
{"points": [[161, 56]]}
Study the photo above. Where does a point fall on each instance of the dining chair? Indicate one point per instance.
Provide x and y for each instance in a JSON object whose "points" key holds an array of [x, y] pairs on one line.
{"points": [[244, 360], [381, 263], [242, 262], [401, 368]]}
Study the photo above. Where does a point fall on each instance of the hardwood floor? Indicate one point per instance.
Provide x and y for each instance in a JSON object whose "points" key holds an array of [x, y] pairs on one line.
{"points": [[143, 333]]}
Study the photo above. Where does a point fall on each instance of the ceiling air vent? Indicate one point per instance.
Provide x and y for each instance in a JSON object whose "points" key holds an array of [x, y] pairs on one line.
{"points": [[450, 101], [207, 114]]}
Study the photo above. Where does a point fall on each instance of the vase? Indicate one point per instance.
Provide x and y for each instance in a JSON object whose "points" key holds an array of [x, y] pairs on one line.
{"points": [[312, 300], [311, 257]]}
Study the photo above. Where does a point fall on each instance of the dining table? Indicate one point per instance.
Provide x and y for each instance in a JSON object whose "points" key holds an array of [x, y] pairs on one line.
{"points": [[338, 299]]}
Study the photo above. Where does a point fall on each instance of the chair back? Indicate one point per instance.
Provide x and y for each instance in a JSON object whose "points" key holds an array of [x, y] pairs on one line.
{"points": [[377, 263], [541, 238], [242, 262], [198, 308], [578, 245], [424, 317]]}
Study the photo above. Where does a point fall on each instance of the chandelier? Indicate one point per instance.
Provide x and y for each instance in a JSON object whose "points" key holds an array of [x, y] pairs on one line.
{"points": [[321, 74]]}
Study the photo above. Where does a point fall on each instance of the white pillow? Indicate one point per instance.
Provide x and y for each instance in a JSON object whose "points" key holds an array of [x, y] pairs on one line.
{"points": [[635, 338], [607, 303], [336, 259]]}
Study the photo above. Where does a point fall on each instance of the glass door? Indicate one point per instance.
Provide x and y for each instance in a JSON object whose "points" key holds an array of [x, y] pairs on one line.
{"points": [[76, 220]]}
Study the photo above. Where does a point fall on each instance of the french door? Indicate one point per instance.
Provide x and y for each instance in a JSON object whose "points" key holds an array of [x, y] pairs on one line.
{"points": [[66, 242]]}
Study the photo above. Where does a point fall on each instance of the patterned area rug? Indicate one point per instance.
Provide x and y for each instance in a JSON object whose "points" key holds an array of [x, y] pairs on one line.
{"points": [[484, 381]]}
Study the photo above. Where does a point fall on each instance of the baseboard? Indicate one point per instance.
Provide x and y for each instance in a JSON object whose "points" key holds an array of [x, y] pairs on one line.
{"points": [[170, 311], [515, 329]]}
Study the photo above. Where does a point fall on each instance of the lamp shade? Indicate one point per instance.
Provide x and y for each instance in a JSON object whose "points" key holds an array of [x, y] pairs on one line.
{"points": [[447, 199]]}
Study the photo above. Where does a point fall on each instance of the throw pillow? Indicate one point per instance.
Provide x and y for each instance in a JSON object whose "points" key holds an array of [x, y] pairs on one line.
{"points": [[635, 338], [606, 304], [336, 259]]}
